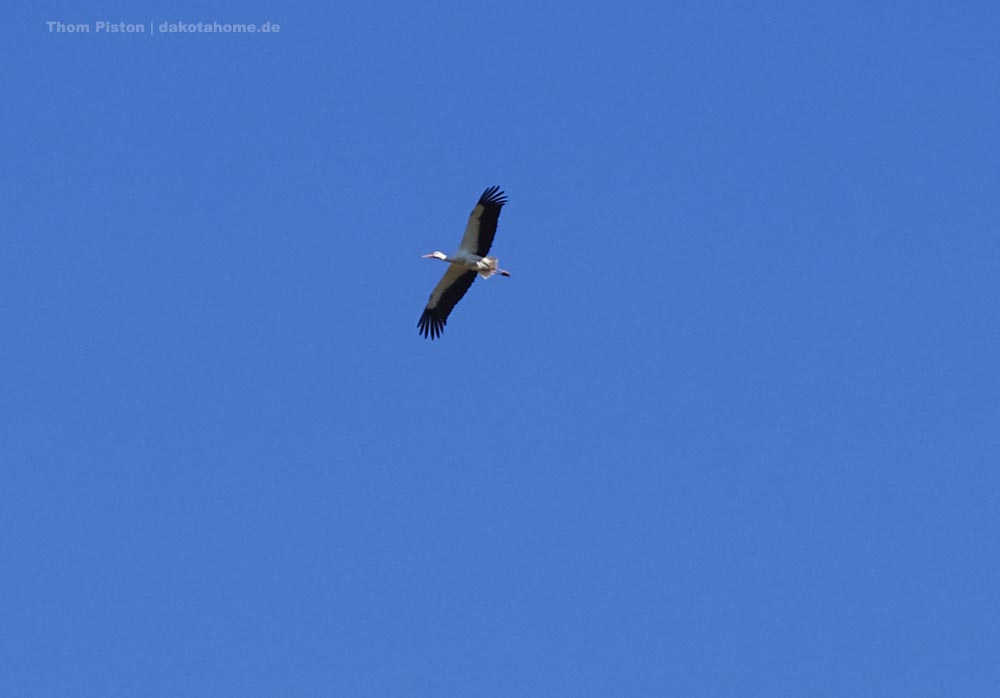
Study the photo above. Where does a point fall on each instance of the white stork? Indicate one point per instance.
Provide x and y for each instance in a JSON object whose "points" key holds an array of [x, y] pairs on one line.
{"points": [[466, 263]]}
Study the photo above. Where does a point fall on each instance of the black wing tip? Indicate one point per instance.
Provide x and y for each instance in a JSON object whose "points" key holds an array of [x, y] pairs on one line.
{"points": [[493, 195], [430, 325]]}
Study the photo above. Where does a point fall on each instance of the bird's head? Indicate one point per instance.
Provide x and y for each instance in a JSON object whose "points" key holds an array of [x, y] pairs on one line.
{"points": [[436, 255]]}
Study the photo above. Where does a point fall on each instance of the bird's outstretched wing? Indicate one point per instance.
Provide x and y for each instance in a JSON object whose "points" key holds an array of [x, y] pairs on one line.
{"points": [[449, 291], [482, 225]]}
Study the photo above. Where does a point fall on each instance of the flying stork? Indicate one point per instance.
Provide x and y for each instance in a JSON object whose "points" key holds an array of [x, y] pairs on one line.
{"points": [[466, 263]]}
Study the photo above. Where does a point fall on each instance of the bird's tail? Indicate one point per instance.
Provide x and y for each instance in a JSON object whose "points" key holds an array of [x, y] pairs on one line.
{"points": [[491, 268]]}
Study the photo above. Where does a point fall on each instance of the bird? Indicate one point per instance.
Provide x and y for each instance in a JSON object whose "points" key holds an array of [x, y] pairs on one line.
{"points": [[468, 262]]}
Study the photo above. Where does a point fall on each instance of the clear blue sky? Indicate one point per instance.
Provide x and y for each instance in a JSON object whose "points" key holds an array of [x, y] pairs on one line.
{"points": [[731, 429]]}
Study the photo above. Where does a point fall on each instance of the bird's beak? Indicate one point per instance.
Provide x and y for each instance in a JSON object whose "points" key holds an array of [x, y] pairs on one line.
{"points": [[427, 255]]}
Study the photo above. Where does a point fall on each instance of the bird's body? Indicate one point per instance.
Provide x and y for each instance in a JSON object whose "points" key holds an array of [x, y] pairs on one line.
{"points": [[468, 262], [484, 266]]}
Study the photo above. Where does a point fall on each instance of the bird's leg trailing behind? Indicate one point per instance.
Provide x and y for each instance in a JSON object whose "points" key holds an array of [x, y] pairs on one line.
{"points": [[488, 267]]}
